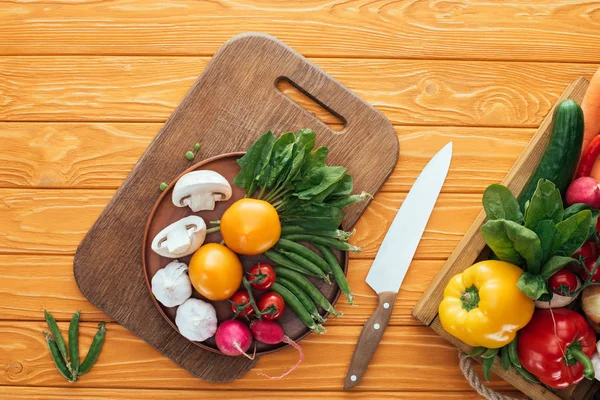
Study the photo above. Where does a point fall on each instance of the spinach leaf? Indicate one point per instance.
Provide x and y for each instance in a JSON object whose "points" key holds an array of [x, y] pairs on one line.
{"points": [[512, 242], [545, 230], [500, 203], [533, 286], [341, 189], [280, 155], [575, 208], [253, 162], [318, 180], [571, 233], [555, 264], [546, 203], [313, 217]]}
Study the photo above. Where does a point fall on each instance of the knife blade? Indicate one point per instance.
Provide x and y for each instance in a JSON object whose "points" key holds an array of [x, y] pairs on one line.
{"points": [[395, 255]]}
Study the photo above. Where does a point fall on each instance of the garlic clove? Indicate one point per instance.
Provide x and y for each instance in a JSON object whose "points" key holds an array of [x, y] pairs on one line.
{"points": [[181, 238], [196, 320], [171, 285]]}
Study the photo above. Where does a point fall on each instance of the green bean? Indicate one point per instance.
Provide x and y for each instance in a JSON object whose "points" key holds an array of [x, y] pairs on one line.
{"points": [[505, 358], [513, 354], [336, 234], [306, 264], [74, 343], [325, 241], [308, 287], [477, 351], [297, 307], [57, 357], [57, 336], [303, 297], [489, 353], [94, 351], [487, 367], [338, 272], [304, 252], [349, 200], [286, 262], [527, 375]]}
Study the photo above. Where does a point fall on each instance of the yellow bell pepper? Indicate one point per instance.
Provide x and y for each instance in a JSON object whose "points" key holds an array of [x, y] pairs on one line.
{"points": [[484, 307]]}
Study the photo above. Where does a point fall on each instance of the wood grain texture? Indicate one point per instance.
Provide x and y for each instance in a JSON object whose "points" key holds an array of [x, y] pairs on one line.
{"points": [[127, 361], [235, 94], [412, 92], [28, 284], [472, 245], [100, 155], [57, 393], [30, 221], [414, 29]]}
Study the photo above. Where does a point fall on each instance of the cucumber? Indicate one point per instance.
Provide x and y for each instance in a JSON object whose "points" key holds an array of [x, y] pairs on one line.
{"points": [[559, 161]]}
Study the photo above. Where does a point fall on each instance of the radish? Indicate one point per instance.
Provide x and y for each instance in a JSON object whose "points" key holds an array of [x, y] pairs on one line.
{"points": [[584, 190], [270, 332], [234, 338]]}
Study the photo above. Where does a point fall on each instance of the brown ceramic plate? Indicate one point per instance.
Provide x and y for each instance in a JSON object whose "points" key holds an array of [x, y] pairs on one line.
{"points": [[164, 213]]}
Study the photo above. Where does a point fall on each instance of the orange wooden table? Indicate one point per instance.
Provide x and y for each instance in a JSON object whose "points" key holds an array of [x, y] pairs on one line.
{"points": [[85, 85]]}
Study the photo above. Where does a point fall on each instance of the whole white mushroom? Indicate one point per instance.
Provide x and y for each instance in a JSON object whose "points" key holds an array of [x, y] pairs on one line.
{"points": [[171, 285], [196, 320]]}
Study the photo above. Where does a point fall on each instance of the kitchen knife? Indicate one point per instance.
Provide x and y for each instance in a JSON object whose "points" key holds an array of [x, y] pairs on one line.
{"points": [[394, 257]]}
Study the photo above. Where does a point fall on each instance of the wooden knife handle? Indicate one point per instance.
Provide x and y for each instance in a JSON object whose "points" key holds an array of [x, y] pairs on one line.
{"points": [[369, 339]]}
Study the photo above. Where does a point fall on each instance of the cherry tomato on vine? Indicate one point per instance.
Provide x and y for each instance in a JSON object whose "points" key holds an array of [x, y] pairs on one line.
{"points": [[563, 280], [237, 302], [270, 305], [261, 276], [587, 251]]}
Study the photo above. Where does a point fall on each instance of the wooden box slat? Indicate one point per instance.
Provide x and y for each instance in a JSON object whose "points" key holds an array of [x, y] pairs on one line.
{"points": [[471, 246]]}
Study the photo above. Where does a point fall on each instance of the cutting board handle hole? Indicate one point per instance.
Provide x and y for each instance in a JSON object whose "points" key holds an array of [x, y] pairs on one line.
{"points": [[310, 103]]}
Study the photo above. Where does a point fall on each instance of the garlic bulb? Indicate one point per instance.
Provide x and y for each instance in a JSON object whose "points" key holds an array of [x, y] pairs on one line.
{"points": [[171, 285], [196, 320]]}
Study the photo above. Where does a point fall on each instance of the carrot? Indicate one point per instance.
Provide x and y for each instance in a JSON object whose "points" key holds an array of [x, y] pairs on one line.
{"points": [[591, 110]]}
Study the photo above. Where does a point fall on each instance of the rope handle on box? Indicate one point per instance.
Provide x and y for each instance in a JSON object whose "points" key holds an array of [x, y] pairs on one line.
{"points": [[466, 367]]}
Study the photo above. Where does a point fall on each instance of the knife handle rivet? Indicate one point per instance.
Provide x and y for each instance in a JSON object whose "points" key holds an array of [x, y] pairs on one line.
{"points": [[386, 305], [376, 326], [353, 378]]}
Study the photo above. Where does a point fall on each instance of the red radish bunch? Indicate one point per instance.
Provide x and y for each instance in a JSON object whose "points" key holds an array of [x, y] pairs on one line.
{"points": [[234, 339]]}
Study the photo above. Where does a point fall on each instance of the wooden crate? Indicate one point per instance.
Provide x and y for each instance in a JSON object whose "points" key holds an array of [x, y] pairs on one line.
{"points": [[471, 247]]}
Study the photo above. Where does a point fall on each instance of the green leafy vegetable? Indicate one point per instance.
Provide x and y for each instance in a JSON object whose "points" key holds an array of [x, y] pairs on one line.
{"points": [[575, 208], [546, 203], [500, 203], [555, 264], [253, 162], [532, 285], [545, 230], [512, 242], [571, 233]]}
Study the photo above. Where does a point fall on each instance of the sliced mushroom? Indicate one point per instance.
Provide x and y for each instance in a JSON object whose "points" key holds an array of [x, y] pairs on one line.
{"points": [[200, 189], [181, 238]]}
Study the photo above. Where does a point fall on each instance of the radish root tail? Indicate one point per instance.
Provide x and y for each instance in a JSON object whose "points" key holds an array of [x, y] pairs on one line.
{"points": [[242, 352], [297, 347]]}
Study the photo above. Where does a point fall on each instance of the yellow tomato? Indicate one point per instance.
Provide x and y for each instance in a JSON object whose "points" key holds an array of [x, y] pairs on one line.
{"points": [[215, 271], [250, 226]]}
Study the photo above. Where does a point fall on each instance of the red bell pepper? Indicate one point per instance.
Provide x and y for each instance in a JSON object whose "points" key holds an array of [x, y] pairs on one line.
{"points": [[556, 347]]}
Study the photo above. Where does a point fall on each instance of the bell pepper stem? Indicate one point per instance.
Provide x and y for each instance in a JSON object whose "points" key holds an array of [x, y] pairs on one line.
{"points": [[588, 367]]}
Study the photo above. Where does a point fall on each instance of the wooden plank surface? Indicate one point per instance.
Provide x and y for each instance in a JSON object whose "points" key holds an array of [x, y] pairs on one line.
{"points": [[130, 363], [431, 92], [100, 155], [469, 29], [52, 393], [28, 284], [30, 221], [85, 86]]}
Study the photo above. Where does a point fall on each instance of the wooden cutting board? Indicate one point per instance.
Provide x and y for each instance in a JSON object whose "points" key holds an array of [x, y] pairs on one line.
{"points": [[472, 246], [231, 104]]}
